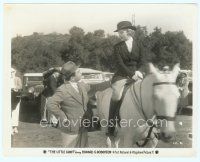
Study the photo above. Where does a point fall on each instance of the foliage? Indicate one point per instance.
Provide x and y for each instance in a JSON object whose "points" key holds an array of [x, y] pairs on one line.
{"points": [[170, 48], [38, 52]]}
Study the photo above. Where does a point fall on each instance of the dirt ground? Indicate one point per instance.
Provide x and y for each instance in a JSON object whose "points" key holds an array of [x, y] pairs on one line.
{"points": [[31, 134]]}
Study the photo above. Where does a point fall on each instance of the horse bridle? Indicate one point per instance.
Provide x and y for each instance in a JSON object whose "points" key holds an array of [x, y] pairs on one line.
{"points": [[159, 117]]}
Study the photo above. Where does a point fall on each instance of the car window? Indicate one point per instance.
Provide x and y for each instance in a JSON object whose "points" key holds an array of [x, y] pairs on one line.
{"points": [[33, 78]]}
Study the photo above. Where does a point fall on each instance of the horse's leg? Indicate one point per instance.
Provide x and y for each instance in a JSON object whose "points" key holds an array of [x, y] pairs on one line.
{"points": [[117, 140], [113, 142], [108, 142]]}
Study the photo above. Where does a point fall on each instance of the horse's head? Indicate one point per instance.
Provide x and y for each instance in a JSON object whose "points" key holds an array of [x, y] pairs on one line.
{"points": [[165, 98]]}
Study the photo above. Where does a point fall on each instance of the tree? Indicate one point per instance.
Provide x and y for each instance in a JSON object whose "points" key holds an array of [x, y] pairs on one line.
{"points": [[170, 48], [76, 34], [99, 33], [74, 49], [182, 48], [38, 52], [93, 51]]}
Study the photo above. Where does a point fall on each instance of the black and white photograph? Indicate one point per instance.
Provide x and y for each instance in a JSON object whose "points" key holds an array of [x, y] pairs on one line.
{"points": [[117, 77]]}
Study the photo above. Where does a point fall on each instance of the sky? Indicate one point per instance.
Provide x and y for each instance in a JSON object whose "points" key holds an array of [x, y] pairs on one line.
{"points": [[24, 19]]}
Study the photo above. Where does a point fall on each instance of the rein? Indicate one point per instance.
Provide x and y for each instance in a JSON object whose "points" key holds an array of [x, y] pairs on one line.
{"points": [[147, 138], [168, 118]]}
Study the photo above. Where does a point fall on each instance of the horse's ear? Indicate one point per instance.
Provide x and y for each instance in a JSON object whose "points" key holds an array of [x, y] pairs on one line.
{"points": [[176, 69], [152, 68]]}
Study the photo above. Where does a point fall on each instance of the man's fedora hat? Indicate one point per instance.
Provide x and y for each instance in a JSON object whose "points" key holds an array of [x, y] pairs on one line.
{"points": [[69, 68], [125, 25]]}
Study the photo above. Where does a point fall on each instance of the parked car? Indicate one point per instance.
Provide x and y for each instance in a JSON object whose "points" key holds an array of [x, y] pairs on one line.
{"points": [[108, 76], [96, 79], [91, 76], [32, 86]]}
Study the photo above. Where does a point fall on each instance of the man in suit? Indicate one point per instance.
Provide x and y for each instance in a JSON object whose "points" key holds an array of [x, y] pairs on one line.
{"points": [[129, 60], [69, 104]]}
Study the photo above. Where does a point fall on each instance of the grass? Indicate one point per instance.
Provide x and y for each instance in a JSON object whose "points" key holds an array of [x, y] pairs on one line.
{"points": [[33, 135]]}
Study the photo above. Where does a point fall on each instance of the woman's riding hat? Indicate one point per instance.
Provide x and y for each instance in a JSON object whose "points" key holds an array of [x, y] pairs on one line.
{"points": [[125, 25]]}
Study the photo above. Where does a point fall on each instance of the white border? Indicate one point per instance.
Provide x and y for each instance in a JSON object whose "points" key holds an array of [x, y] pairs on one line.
{"points": [[31, 152]]}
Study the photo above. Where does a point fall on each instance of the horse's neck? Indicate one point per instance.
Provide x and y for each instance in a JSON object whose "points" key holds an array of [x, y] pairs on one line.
{"points": [[146, 91]]}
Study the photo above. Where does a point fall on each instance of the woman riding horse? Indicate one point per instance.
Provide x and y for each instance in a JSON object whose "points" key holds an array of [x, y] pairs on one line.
{"points": [[148, 105], [129, 59]]}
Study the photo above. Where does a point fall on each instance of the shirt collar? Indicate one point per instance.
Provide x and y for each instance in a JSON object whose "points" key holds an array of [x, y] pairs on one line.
{"points": [[130, 40]]}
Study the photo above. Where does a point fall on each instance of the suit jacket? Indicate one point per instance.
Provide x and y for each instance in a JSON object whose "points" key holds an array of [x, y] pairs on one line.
{"points": [[128, 62], [67, 103]]}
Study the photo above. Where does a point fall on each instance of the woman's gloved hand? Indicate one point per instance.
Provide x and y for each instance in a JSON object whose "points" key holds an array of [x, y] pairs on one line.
{"points": [[137, 76]]}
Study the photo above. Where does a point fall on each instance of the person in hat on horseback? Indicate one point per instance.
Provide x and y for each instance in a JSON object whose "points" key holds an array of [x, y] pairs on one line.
{"points": [[129, 59]]}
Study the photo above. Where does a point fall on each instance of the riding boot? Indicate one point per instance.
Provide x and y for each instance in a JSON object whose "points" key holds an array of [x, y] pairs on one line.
{"points": [[112, 115]]}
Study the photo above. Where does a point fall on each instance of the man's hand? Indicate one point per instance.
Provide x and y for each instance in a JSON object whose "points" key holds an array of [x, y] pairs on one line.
{"points": [[137, 76]]}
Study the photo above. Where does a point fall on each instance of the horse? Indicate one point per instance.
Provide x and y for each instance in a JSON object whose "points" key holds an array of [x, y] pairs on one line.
{"points": [[149, 106]]}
